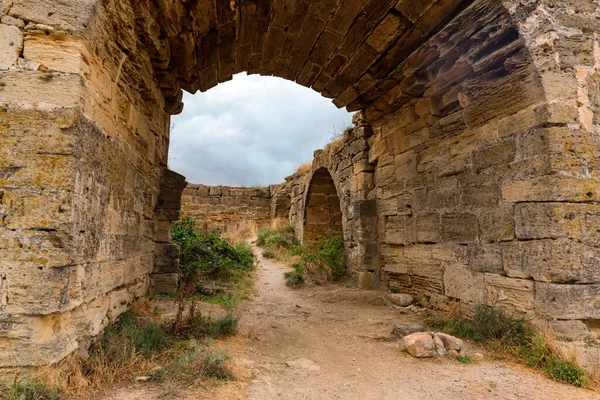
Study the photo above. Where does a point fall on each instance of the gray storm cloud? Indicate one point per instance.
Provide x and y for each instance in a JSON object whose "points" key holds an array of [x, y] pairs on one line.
{"points": [[253, 130]]}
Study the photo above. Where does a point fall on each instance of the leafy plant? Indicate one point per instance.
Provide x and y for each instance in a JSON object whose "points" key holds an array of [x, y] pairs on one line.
{"points": [[464, 359], [500, 332], [28, 389], [295, 278]]}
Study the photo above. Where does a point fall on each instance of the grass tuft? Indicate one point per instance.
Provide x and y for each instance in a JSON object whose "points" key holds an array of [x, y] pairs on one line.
{"points": [[295, 278], [516, 338]]}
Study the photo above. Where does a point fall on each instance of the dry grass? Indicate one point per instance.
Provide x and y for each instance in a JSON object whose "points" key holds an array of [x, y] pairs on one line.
{"points": [[241, 231], [137, 345], [337, 140], [304, 168]]}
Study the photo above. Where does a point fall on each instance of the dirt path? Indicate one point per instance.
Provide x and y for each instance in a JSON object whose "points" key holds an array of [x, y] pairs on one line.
{"points": [[329, 343]]}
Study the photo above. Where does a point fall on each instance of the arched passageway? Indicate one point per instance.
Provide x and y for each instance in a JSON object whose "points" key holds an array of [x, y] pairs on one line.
{"points": [[322, 212], [478, 169]]}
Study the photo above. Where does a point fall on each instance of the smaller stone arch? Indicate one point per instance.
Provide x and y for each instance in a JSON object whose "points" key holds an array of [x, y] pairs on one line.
{"points": [[322, 212]]}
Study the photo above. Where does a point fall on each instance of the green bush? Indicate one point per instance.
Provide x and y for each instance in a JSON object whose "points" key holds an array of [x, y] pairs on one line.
{"points": [[199, 326], [564, 371], [28, 389], [492, 327], [194, 363], [277, 238], [130, 335], [207, 256], [326, 255], [295, 278]]}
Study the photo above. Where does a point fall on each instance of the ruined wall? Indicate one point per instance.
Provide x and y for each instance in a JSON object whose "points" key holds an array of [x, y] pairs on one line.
{"points": [[471, 175], [486, 177], [84, 147], [224, 208]]}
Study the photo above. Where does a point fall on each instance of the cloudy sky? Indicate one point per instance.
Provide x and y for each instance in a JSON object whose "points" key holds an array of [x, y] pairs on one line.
{"points": [[253, 130]]}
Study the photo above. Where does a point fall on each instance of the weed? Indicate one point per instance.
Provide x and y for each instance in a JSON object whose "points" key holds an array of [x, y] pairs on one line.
{"points": [[304, 168], [394, 289], [28, 389], [199, 326], [504, 334], [564, 371], [295, 278], [464, 359], [268, 253]]}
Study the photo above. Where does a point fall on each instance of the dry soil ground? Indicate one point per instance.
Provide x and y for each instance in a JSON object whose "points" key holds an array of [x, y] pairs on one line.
{"points": [[332, 342]]}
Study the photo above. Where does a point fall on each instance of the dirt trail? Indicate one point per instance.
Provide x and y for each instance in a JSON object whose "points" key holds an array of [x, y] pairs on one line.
{"points": [[329, 343]]}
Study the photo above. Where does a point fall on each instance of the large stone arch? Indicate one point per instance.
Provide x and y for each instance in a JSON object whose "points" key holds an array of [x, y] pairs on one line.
{"points": [[475, 155]]}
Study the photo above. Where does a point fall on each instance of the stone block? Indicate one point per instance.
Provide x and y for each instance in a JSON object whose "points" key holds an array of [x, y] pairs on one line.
{"points": [[11, 45], [459, 228], [366, 280], [428, 228], [166, 259], [557, 220], [557, 261], [502, 153], [67, 15], [564, 301], [405, 165], [517, 296], [462, 283], [164, 283], [497, 224]]}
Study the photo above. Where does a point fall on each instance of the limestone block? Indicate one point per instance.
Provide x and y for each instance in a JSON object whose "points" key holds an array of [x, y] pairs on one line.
{"points": [[557, 220], [552, 188], [497, 224], [11, 45], [557, 261], [164, 283], [572, 331], [517, 296], [420, 345], [57, 53], [167, 258], [428, 228], [68, 15], [405, 165], [485, 258], [499, 154], [564, 301], [459, 228], [366, 280], [462, 283]]}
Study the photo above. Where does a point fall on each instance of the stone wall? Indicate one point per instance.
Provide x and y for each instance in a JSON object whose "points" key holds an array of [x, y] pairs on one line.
{"points": [[84, 149], [225, 209]]}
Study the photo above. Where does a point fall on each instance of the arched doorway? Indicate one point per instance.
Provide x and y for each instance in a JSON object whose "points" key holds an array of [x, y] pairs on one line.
{"points": [[322, 212]]}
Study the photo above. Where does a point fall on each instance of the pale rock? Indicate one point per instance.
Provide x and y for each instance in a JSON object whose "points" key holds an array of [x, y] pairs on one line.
{"points": [[477, 357], [303, 364], [406, 328], [450, 342], [11, 44], [420, 345], [400, 299], [453, 353], [439, 346]]}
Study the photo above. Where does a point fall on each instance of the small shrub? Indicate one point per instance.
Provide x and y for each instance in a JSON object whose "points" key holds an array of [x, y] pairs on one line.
{"points": [[464, 359], [564, 371], [268, 253], [129, 335], [394, 289], [295, 278], [492, 323], [28, 389], [199, 326], [195, 363], [492, 327], [207, 256]]}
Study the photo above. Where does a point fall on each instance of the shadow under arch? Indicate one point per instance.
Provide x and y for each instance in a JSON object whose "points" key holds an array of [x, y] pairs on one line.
{"points": [[322, 212]]}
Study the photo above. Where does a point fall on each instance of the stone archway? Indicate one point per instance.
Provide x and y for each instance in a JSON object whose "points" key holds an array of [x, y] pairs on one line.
{"points": [[322, 212], [480, 159]]}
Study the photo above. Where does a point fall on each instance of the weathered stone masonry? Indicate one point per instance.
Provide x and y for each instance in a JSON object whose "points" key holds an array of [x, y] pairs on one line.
{"points": [[471, 177], [224, 208]]}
